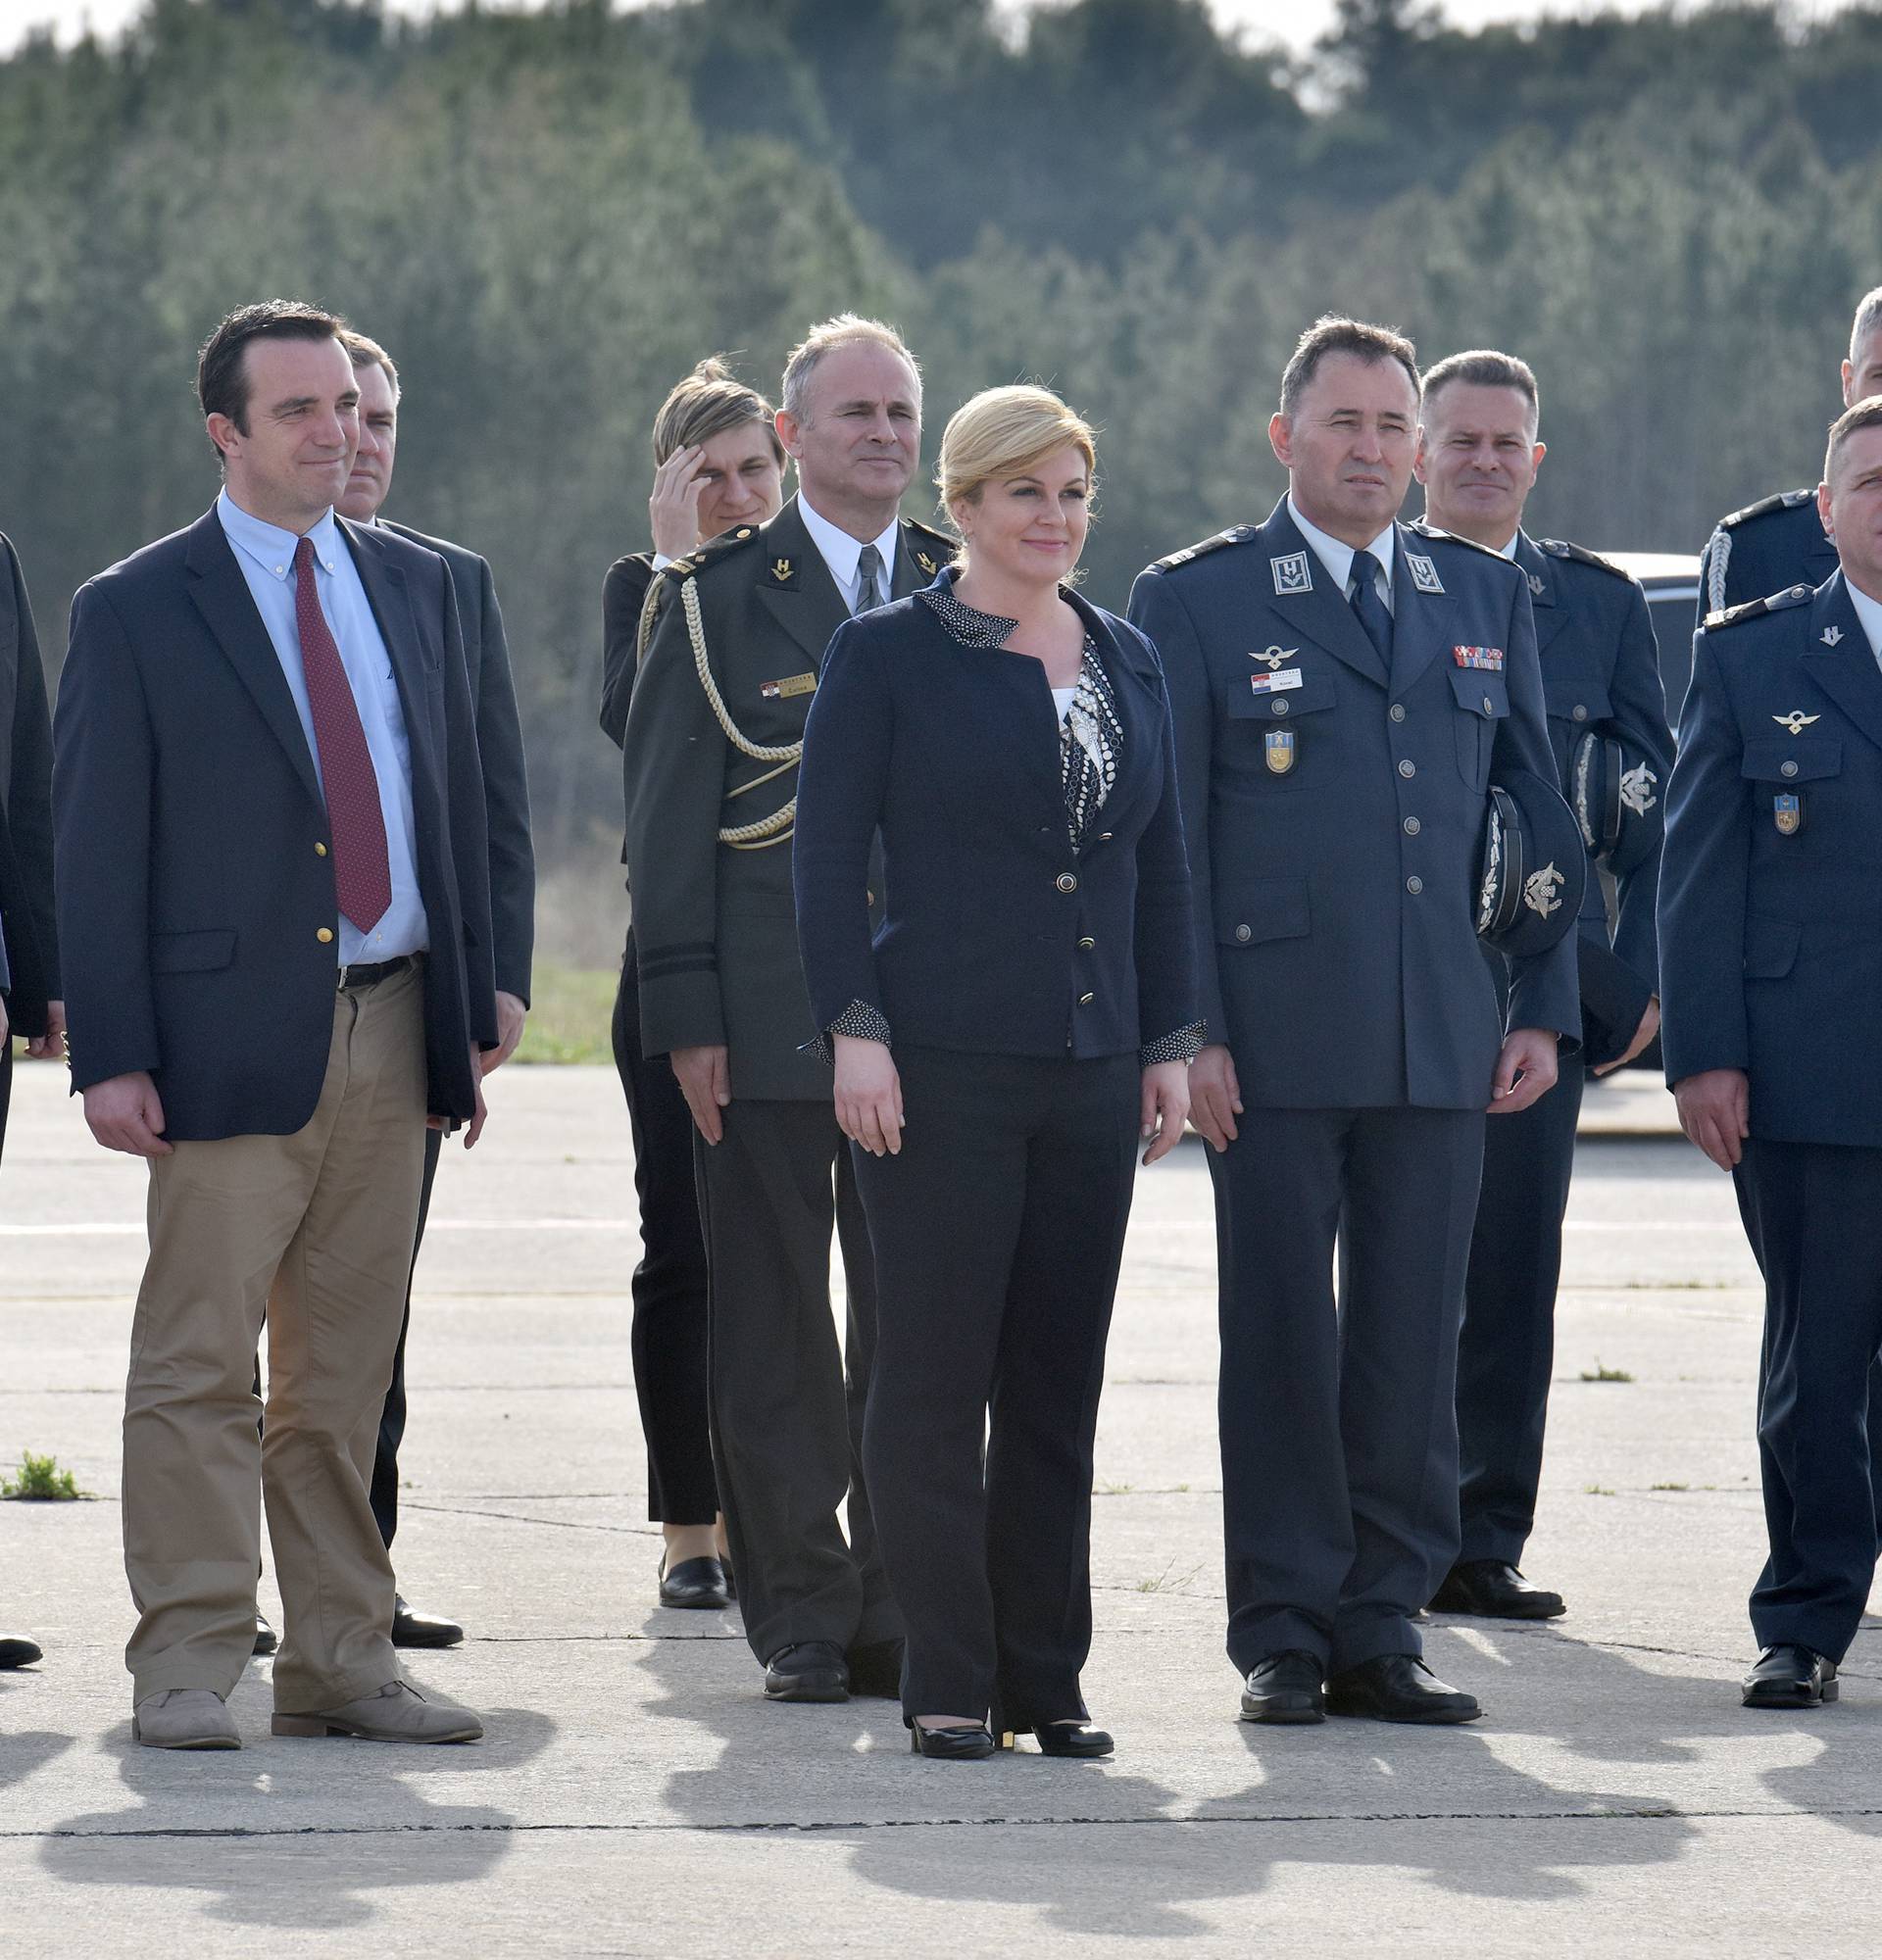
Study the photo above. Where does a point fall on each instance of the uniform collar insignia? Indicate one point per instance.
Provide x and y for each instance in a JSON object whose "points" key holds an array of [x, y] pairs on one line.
{"points": [[782, 571], [1535, 585], [1291, 575], [1795, 721], [927, 563], [1831, 635], [1425, 573]]}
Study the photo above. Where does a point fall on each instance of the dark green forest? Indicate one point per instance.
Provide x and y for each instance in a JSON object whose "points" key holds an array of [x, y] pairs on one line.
{"points": [[548, 217]]}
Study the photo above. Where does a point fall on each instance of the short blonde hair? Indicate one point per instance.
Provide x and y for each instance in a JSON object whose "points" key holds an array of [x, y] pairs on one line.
{"points": [[711, 400], [825, 337], [1002, 433]]}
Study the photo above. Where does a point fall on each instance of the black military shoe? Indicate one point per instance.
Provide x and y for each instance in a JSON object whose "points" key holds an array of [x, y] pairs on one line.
{"points": [[876, 1669], [1398, 1687], [810, 1671], [1285, 1687], [15, 1650], [1494, 1590], [1791, 1677], [421, 1630], [267, 1639]]}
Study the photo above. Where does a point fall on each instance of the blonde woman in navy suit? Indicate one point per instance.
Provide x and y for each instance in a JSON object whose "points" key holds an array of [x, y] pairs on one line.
{"points": [[1028, 1006]]}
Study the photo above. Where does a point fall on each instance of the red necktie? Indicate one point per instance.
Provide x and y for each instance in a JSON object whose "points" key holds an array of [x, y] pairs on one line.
{"points": [[361, 867]]}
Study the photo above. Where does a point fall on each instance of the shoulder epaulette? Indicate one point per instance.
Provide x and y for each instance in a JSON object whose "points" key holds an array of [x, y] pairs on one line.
{"points": [[1784, 499], [930, 549], [1794, 595], [1562, 548], [1236, 535], [710, 552], [1422, 528]]}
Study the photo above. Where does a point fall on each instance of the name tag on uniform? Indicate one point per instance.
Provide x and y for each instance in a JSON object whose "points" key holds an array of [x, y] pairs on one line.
{"points": [[1489, 658], [1274, 683], [791, 684]]}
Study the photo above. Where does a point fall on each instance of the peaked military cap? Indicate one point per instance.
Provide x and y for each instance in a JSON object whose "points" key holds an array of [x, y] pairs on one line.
{"points": [[1617, 801], [1533, 868]]}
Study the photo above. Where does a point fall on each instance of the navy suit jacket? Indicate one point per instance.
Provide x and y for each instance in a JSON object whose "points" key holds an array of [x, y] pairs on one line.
{"points": [[1336, 936], [1601, 673], [1771, 936], [505, 780], [996, 937], [29, 938], [186, 813]]}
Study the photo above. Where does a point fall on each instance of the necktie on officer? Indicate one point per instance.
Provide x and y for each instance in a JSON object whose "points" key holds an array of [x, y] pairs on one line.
{"points": [[869, 579], [1364, 592], [362, 864]]}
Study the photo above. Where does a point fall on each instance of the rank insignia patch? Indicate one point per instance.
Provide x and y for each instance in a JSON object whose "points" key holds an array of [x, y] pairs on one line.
{"points": [[1539, 891], [1291, 575], [1273, 683], [1274, 656], [1279, 743], [1489, 658], [783, 572], [791, 684], [1787, 813], [1424, 575]]}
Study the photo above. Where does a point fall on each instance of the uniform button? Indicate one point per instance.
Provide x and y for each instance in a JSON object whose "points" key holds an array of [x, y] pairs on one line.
{"points": [[1085, 999], [319, 851], [1408, 767], [1085, 945], [325, 935], [1489, 706], [1067, 882], [1280, 707], [1413, 826], [1414, 886], [1579, 712], [1398, 710], [1787, 768], [1244, 933]]}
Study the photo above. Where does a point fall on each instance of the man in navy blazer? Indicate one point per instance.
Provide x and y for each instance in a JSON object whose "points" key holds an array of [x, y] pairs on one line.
{"points": [[513, 868], [1345, 694], [1771, 967], [273, 905]]}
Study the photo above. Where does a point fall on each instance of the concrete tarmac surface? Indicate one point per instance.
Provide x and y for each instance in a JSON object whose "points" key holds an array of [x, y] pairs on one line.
{"points": [[635, 1795]]}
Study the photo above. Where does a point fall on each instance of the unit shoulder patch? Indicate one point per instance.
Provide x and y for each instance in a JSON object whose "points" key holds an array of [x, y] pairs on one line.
{"points": [[1783, 500], [1753, 609], [1562, 548], [1236, 535]]}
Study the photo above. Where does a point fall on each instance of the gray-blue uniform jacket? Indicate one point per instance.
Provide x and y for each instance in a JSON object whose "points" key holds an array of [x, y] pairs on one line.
{"points": [[1601, 674], [1767, 547], [1770, 940], [1335, 821]]}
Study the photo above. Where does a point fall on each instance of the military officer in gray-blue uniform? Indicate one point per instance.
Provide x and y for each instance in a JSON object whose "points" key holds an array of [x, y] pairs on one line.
{"points": [[1478, 457], [1779, 541], [1344, 694], [1771, 963]]}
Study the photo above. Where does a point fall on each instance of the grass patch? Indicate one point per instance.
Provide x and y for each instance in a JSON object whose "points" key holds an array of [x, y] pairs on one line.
{"points": [[1600, 1372], [570, 1013], [1162, 1582], [1596, 1491], [42, 1481], [1670, 1486]]}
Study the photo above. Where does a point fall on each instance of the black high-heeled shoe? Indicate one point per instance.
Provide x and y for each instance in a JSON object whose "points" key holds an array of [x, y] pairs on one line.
{"points": [[964, 1744], [1056, 1738]]}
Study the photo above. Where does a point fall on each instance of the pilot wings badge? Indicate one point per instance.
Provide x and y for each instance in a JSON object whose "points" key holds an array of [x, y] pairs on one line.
{"points": [[1274, 656], [1637, 789], [1795, 721], [1539, 891]]}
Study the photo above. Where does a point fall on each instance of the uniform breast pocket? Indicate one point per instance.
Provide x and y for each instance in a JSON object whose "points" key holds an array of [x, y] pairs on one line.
{"points": [[1285, 727], [1578, 699], [1483, 702], [1780, 770]]}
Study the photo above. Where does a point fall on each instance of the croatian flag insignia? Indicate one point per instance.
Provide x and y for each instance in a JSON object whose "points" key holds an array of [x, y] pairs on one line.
{"points": [[1489, 658]]}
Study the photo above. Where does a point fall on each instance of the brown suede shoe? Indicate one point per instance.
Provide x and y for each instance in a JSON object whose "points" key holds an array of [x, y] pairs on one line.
{"points": [[398, 1712], [185, 1718]]}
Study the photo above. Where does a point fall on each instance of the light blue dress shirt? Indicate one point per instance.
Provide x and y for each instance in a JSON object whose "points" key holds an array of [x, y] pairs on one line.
{"points": [[265, 553]]}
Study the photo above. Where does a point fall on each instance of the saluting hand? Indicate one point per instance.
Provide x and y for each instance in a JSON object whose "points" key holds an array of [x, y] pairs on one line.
{"points": [[868, 1094], [1525, 1071], [1214, 1095], [673, 507], [1165, 1107], [1716, 1112]]}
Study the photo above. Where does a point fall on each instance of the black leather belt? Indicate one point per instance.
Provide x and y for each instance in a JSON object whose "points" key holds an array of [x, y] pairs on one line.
{"points": [[363, 975]]}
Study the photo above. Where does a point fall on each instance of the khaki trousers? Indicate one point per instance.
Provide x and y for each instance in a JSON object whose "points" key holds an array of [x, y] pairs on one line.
{"points": [[313, 1232]]}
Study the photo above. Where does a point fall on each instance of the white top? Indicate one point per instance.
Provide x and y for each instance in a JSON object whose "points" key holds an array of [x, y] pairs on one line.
{"points": [[1338, 558], [1061, 699], [1869, 611], [840, 552], [1508, 551]]}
